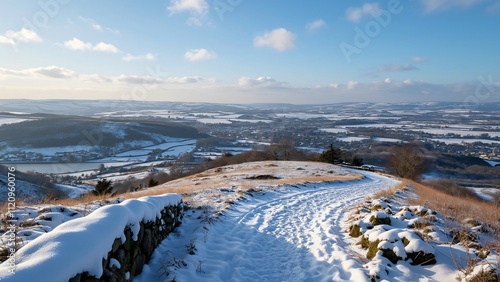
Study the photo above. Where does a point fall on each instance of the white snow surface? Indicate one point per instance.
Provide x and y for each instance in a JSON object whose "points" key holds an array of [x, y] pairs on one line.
{"points": [[352, 139], [80, 245], [283, 233], [493, 163], [485, 194], [334, 130], [10, 120]]}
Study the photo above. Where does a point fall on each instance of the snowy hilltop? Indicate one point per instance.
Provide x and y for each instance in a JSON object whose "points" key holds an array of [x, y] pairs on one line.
{"points": [[283, 221]]}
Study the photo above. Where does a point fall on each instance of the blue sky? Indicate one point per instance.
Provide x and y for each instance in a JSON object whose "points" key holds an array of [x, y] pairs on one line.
{"points": [[242, 51]]}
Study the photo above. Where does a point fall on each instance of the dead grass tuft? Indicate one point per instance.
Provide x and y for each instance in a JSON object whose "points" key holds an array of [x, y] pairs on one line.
{"points": [[457, 208], [389, 192], [86, 198]]}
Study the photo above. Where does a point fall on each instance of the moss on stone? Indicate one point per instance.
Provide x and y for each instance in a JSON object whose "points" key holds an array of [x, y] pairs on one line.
{"points": [[405, 241], [364, 242], [372, 249], [421, 258], [391, 255], [377, 220]]}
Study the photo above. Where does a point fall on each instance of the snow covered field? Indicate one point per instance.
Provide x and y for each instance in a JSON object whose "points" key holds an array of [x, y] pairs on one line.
{"points": [[493, 163], [352, 139], [10, 120], [468, 140], [334, 130], [74, 191], [485, 194]]}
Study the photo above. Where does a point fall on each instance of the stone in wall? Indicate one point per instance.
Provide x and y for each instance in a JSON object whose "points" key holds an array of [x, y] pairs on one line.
{"points": [[126, 259]]}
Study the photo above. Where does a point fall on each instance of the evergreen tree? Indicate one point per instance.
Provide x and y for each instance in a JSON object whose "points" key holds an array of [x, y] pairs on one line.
{"points": [[103, 187], [152, 182], [357, 161], [332, 155]]}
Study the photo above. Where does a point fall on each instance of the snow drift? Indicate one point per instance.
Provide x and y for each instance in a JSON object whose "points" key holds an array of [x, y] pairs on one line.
{"points": [[80, 245]]}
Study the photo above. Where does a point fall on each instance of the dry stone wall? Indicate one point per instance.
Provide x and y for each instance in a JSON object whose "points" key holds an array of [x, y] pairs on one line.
{"points": [[126, 259]]}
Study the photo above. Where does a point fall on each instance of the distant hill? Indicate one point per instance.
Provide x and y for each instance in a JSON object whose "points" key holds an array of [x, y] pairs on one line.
{"points": [[28, 187], [58, 130]]}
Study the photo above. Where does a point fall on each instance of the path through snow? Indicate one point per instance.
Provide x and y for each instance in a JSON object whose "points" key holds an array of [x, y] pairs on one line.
{"points": [[293, 234]]}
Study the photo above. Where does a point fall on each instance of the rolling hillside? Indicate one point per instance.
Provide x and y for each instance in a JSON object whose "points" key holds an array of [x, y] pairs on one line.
{"points": [[57, 130]]}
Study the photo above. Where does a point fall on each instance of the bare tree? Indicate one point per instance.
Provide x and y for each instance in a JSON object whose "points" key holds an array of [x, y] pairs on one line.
{"points": [[284, 150], [406, 161]]}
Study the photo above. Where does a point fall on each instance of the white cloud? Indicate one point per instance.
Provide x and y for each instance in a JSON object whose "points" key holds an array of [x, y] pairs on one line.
{"points": [[67, 83], [388, 80], [437, 5], [97, 26], [134, 79], [355, 14], [55, 72], [262, 81], [279, 39], [185, 79], [351, 84], [6, 40], [145, 57], [197, 9], [105, 47], [194, 6], [23, 35], [50, 71], [317, 24], [79, 45], [95, 78], [199, 55]]}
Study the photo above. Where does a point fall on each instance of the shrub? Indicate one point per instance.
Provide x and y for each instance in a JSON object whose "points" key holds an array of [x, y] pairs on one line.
{"points": [[103, 187], [152, 183]]}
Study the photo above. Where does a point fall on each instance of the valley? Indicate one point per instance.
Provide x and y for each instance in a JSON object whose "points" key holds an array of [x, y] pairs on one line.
{"points": [[91, 140]]}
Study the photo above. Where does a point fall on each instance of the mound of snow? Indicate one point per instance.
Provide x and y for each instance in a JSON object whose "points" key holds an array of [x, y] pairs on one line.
{"points": [[79, 245]]}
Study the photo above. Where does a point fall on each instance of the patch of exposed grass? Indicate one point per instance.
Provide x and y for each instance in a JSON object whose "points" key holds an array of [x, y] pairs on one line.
{"points": [[372, 249], [380, 220], [391, 255], [456, 207], [486, 276], [389, 192], [355, 231]]}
